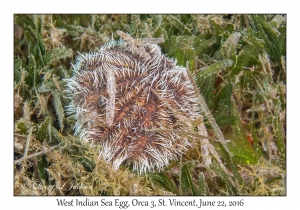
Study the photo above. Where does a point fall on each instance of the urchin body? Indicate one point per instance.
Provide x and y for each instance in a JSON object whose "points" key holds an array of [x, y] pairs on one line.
{"points": [[123, 91]]}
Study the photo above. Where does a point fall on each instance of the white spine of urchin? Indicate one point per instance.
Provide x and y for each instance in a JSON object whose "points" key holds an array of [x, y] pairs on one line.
{"points": [[126, 89]]}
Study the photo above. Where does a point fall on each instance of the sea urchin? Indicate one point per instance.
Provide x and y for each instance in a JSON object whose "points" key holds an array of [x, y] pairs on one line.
{"points": [[120, 93]]}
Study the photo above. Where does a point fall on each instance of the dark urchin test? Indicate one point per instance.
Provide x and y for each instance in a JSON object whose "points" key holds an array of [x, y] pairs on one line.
{"points": [[122, 93]]}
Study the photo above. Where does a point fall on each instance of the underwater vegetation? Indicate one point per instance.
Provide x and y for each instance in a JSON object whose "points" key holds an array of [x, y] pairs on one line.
{"points": [[232, 66]]}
